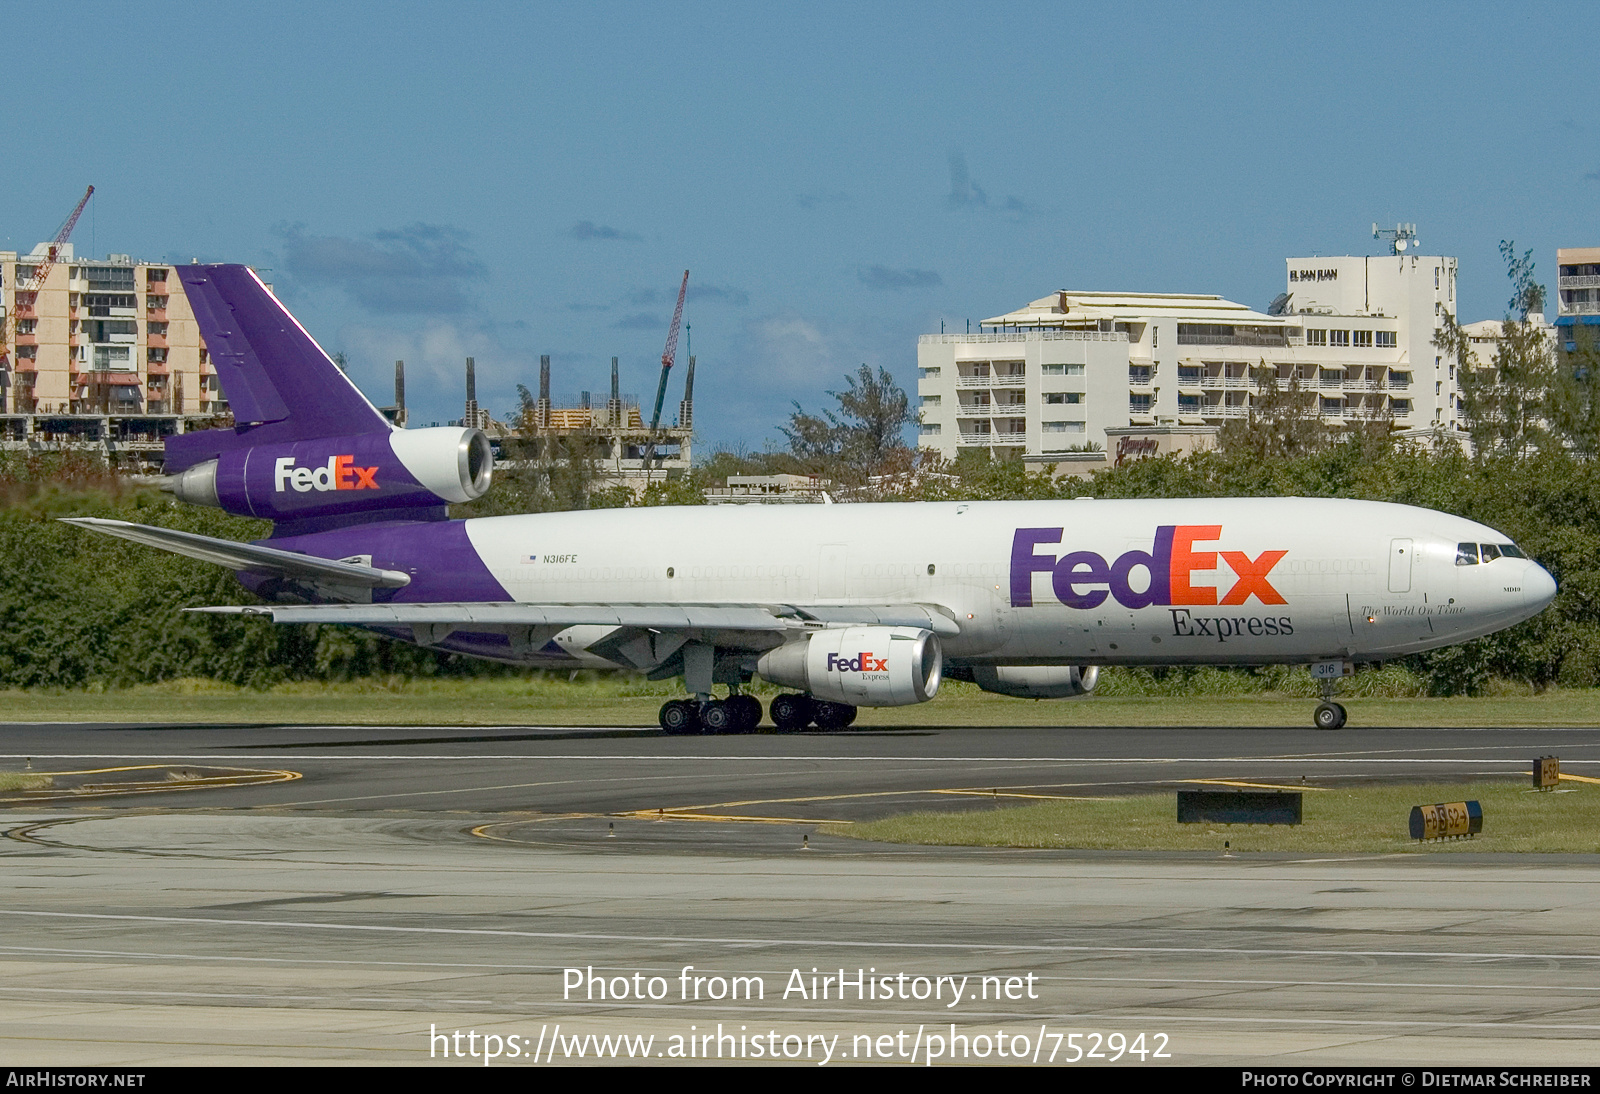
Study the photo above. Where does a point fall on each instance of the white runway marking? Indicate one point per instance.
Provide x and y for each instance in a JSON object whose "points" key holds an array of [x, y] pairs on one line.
{"points": [[544, 757], [1465, 955], [348, 727]]}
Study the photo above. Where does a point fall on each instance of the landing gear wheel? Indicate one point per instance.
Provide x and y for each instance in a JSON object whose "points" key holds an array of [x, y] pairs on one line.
{"points": [[749, 708], [791, 713], [831, 715], [1330, 716], [679, 717], [720, 717]]}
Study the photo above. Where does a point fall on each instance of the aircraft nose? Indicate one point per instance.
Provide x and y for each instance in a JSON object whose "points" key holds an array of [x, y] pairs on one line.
{"points": [[1538, 587]]}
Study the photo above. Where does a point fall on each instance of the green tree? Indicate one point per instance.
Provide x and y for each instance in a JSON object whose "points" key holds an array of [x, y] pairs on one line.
{"points": [[1504, 403], [864, 437], [1284, 422], [1573, 406]]}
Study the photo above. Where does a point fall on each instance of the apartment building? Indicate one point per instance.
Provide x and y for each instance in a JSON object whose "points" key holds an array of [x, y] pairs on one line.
{"points": [[1055, 375], [104, 354], [1577, 293]]}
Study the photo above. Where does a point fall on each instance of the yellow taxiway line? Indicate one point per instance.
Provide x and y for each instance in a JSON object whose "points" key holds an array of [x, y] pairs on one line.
{"points": [[1252, 786]]}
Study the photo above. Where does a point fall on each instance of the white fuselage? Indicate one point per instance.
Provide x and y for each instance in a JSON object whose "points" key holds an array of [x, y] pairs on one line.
{"points": [[1221, 581]]}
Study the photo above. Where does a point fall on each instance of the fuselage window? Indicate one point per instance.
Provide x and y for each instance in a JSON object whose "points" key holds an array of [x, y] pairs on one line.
{"points": [[1490, 552], [1466, 554]]}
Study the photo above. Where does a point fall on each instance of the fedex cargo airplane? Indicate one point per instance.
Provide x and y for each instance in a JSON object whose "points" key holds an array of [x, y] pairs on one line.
{"points": [[845, 605]]}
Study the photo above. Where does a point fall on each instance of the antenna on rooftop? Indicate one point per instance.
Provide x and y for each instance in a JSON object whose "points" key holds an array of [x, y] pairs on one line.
{"points": [[1402, 237]]}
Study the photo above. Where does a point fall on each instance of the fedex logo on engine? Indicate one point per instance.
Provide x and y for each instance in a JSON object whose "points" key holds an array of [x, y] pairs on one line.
{"points": [[1084, 579], [340, 473], [862, 662]]}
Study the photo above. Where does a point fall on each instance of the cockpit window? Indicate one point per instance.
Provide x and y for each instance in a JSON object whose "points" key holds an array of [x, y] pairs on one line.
{"points": [[1466, 554], [1511, 550], [1490, 551]]}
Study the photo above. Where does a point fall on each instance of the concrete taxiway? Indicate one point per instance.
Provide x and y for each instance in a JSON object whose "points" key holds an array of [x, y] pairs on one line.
{"points": [[306, 894]]}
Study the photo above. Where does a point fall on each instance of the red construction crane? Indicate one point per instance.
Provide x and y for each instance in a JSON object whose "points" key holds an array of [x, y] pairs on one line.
{"points": [[667, 357], [42, 270]]}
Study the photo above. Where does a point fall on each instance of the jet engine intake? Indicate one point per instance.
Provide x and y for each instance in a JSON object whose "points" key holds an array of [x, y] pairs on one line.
{"points": [[862, 666], [402, 470], [1036, 681]]}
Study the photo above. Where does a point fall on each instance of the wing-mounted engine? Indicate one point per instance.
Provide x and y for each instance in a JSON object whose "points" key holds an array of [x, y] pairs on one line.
{"points": [[399, 472], [1034, 681], [862, 666]]}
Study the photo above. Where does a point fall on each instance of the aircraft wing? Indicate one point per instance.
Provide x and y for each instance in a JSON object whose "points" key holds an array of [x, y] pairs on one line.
{"points": [[464, 616], [247, 556], [641, 636], [659, 617]]}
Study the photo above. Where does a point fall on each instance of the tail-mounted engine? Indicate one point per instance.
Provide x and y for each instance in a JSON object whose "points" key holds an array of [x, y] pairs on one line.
{"points": [[404, 470], [1035, 681], [863, 666]]}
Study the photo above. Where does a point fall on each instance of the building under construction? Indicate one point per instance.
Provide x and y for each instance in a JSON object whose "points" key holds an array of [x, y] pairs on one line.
{"points": [[623, 447]]}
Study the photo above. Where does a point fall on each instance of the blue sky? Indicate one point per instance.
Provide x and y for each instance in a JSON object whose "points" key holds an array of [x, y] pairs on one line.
{"points": [[429, 181]]}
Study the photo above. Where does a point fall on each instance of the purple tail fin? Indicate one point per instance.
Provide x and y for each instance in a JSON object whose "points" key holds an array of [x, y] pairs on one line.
{"points": [[280, 384]]}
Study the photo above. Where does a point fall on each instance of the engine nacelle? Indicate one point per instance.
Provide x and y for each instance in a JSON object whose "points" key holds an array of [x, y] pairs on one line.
{"points": [[863, 666], [402, 470], [1037, 681]]}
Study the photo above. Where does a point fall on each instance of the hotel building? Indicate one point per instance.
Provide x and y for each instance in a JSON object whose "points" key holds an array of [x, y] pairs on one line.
{"points": [[1054, 376]]}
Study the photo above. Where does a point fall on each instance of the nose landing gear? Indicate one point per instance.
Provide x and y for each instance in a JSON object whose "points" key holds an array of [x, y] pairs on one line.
{"points": [[1329, 714]]}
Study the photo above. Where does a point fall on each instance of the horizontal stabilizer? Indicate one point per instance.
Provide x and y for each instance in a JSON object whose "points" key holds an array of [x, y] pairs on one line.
{"points": [[247, 556]]}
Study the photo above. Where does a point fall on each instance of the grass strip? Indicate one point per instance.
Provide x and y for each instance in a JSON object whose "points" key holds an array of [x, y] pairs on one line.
{"points": [[1346, 818], [616, 700]]}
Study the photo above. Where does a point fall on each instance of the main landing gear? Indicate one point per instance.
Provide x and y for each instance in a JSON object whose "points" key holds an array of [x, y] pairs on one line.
{"points": [[793, 713], [742, 714], [735, 714]]}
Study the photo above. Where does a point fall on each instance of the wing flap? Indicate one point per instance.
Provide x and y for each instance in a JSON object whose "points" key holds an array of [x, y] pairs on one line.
{"points": [[887, 615]]}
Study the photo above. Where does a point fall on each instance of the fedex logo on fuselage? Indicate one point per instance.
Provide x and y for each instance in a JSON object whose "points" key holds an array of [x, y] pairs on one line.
{"points": [[340, 473], [1084, 579]]}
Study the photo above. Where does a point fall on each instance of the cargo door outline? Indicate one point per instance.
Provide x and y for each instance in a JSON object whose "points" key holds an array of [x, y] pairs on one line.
{"points": [[1401, 552]]}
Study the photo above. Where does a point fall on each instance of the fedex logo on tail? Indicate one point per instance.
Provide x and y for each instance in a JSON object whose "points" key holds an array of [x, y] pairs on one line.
{"points": [[340, 473], [1084, 579]]}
